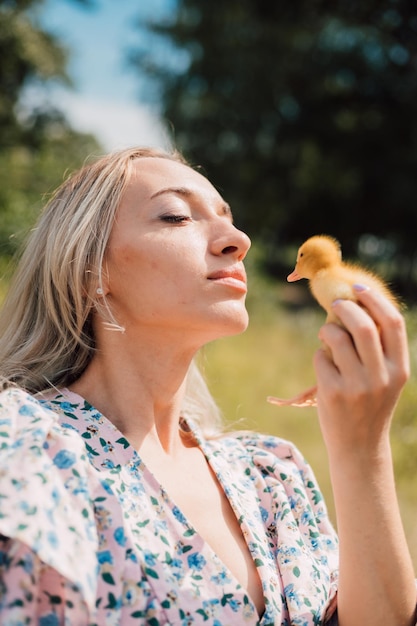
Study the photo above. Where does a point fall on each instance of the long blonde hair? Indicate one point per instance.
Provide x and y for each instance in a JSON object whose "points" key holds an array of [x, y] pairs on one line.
{"points": [[46, 335]]}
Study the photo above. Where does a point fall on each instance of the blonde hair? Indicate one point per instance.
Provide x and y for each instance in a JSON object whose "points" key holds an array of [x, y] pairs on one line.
{"points": [[46, 334]]}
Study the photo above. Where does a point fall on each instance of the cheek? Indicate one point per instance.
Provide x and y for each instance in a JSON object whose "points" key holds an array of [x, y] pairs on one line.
{"points": [[155, 266], [125, 257], [154, 278]]}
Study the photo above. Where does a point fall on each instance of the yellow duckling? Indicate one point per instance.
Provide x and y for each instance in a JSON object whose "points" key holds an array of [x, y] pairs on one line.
{"points": [[319, 260]]}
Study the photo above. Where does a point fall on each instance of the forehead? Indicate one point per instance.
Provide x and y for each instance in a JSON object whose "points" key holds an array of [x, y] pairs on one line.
{"points": [[150, 175]]}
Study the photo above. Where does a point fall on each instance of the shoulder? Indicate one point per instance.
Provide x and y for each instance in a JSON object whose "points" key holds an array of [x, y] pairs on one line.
{"points": [[33, 444], [15, 402], [22, 418], [30, 429]]}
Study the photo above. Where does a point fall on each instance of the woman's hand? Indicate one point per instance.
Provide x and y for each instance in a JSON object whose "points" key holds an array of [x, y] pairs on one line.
{"points": [[359, 383]]}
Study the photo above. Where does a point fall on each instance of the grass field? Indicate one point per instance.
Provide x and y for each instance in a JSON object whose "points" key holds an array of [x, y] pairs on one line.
{"points": [[274, 357]]}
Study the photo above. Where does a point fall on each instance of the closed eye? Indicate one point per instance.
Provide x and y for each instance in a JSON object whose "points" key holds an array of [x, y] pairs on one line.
{"points": [[175, 219]]}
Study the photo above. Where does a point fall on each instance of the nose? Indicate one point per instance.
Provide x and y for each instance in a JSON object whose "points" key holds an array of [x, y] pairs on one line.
{"points": [[232, 241]]}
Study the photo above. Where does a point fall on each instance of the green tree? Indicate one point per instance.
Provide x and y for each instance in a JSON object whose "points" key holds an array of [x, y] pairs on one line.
{"points": [[304, 113], [28, 176], [36, 145], [27, 54]]}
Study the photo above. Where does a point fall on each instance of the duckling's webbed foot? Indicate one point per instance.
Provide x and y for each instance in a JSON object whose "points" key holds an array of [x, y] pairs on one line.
{"points": [[303, 399]]}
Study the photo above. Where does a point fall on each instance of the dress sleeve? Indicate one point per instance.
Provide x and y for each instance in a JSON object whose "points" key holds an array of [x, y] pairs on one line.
{"points": [[33, 593], [48, 537]]}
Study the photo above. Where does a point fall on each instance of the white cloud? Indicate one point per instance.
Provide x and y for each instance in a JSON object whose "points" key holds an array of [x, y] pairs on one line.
{"points": [[116, 125]]}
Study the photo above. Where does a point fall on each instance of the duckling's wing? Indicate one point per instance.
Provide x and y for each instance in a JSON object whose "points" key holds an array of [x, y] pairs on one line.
{"points": [[301, 400]]}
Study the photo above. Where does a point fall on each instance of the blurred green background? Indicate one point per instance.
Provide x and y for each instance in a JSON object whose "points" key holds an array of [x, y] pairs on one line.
{"points": [[303, 114]]}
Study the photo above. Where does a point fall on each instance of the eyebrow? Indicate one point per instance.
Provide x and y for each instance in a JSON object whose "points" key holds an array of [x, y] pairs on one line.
{"points": [[186, 192]]}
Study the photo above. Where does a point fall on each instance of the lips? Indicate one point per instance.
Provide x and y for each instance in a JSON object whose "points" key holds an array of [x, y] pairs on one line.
{"points": [[232, 276]]}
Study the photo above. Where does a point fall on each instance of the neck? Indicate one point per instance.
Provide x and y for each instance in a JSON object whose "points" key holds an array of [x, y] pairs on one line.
{"points": [[138, 384]]}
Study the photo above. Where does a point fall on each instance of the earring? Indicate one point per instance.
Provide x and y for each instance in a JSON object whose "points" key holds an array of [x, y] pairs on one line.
{"points": [[99, 291]]}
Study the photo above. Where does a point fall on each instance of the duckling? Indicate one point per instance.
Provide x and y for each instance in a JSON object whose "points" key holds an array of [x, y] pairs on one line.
{"points": [[319, 260]]}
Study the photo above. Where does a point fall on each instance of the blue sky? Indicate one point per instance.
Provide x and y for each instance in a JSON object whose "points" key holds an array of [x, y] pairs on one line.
{"points": [[105, 99]]}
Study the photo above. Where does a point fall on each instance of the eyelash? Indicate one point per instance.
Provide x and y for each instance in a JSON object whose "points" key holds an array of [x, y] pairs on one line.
{"points": [[175, 219]]}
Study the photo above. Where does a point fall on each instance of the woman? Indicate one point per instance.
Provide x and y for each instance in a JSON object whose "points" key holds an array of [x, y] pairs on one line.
{"points": [[122, 500]]}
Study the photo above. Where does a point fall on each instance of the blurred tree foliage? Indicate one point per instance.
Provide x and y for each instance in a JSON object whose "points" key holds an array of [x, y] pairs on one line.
{"points": [[304, 113], [36, 142]]}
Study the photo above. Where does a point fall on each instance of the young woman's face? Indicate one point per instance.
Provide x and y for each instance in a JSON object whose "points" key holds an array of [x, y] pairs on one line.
{"points": [[174, 259]]}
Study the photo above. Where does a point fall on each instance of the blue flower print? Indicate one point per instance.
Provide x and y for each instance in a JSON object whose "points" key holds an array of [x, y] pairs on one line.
{"points": [[234, 605], [105, 556], [149, 557], [178, 515], [64, 459], [120, 537], [53, 539], [264, 513], [49, 620], [196, 561], [106, 484], [210, 607], [177, 567], [306, 517], [56, 496], [270, 442], [27, 563], [106, 445], [27, 410], [314, 543], [108, 464], [221, 578], [292, 595], [66, 406], [287, 554], [69, 426]]}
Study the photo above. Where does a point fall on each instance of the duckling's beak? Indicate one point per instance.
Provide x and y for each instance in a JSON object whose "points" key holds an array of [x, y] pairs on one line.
{"points": [[293, 277]]}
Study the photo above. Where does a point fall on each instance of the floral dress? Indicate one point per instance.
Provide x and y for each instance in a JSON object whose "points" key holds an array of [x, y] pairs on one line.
{"points": [[89, 537]]}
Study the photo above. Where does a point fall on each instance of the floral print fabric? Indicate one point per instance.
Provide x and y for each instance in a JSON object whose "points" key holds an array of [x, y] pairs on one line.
{"points": [[89, 537]]}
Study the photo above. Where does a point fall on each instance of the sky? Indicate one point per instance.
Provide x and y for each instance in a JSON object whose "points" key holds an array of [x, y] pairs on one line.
{"points": [[105, 99]]}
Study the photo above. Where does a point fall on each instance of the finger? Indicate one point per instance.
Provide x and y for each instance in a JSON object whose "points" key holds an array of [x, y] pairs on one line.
{"points": [[326, 369], [364, 334], [329, 378], [352, 351], [390, 322]]}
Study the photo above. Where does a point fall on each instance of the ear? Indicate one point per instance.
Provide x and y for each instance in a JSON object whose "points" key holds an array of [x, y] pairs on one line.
{"points": [[96, 284], [102, 289]]}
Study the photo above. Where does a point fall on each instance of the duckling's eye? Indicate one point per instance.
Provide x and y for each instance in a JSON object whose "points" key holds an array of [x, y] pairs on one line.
{"points": [[301, 254]]}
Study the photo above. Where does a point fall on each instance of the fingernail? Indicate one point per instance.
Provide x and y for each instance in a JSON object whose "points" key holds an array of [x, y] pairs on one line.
{"points": [[336, 302], [361, 287]]}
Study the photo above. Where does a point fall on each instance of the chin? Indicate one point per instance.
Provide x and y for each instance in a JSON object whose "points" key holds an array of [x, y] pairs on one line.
{"points": [[222, 321], [236, 323]]}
